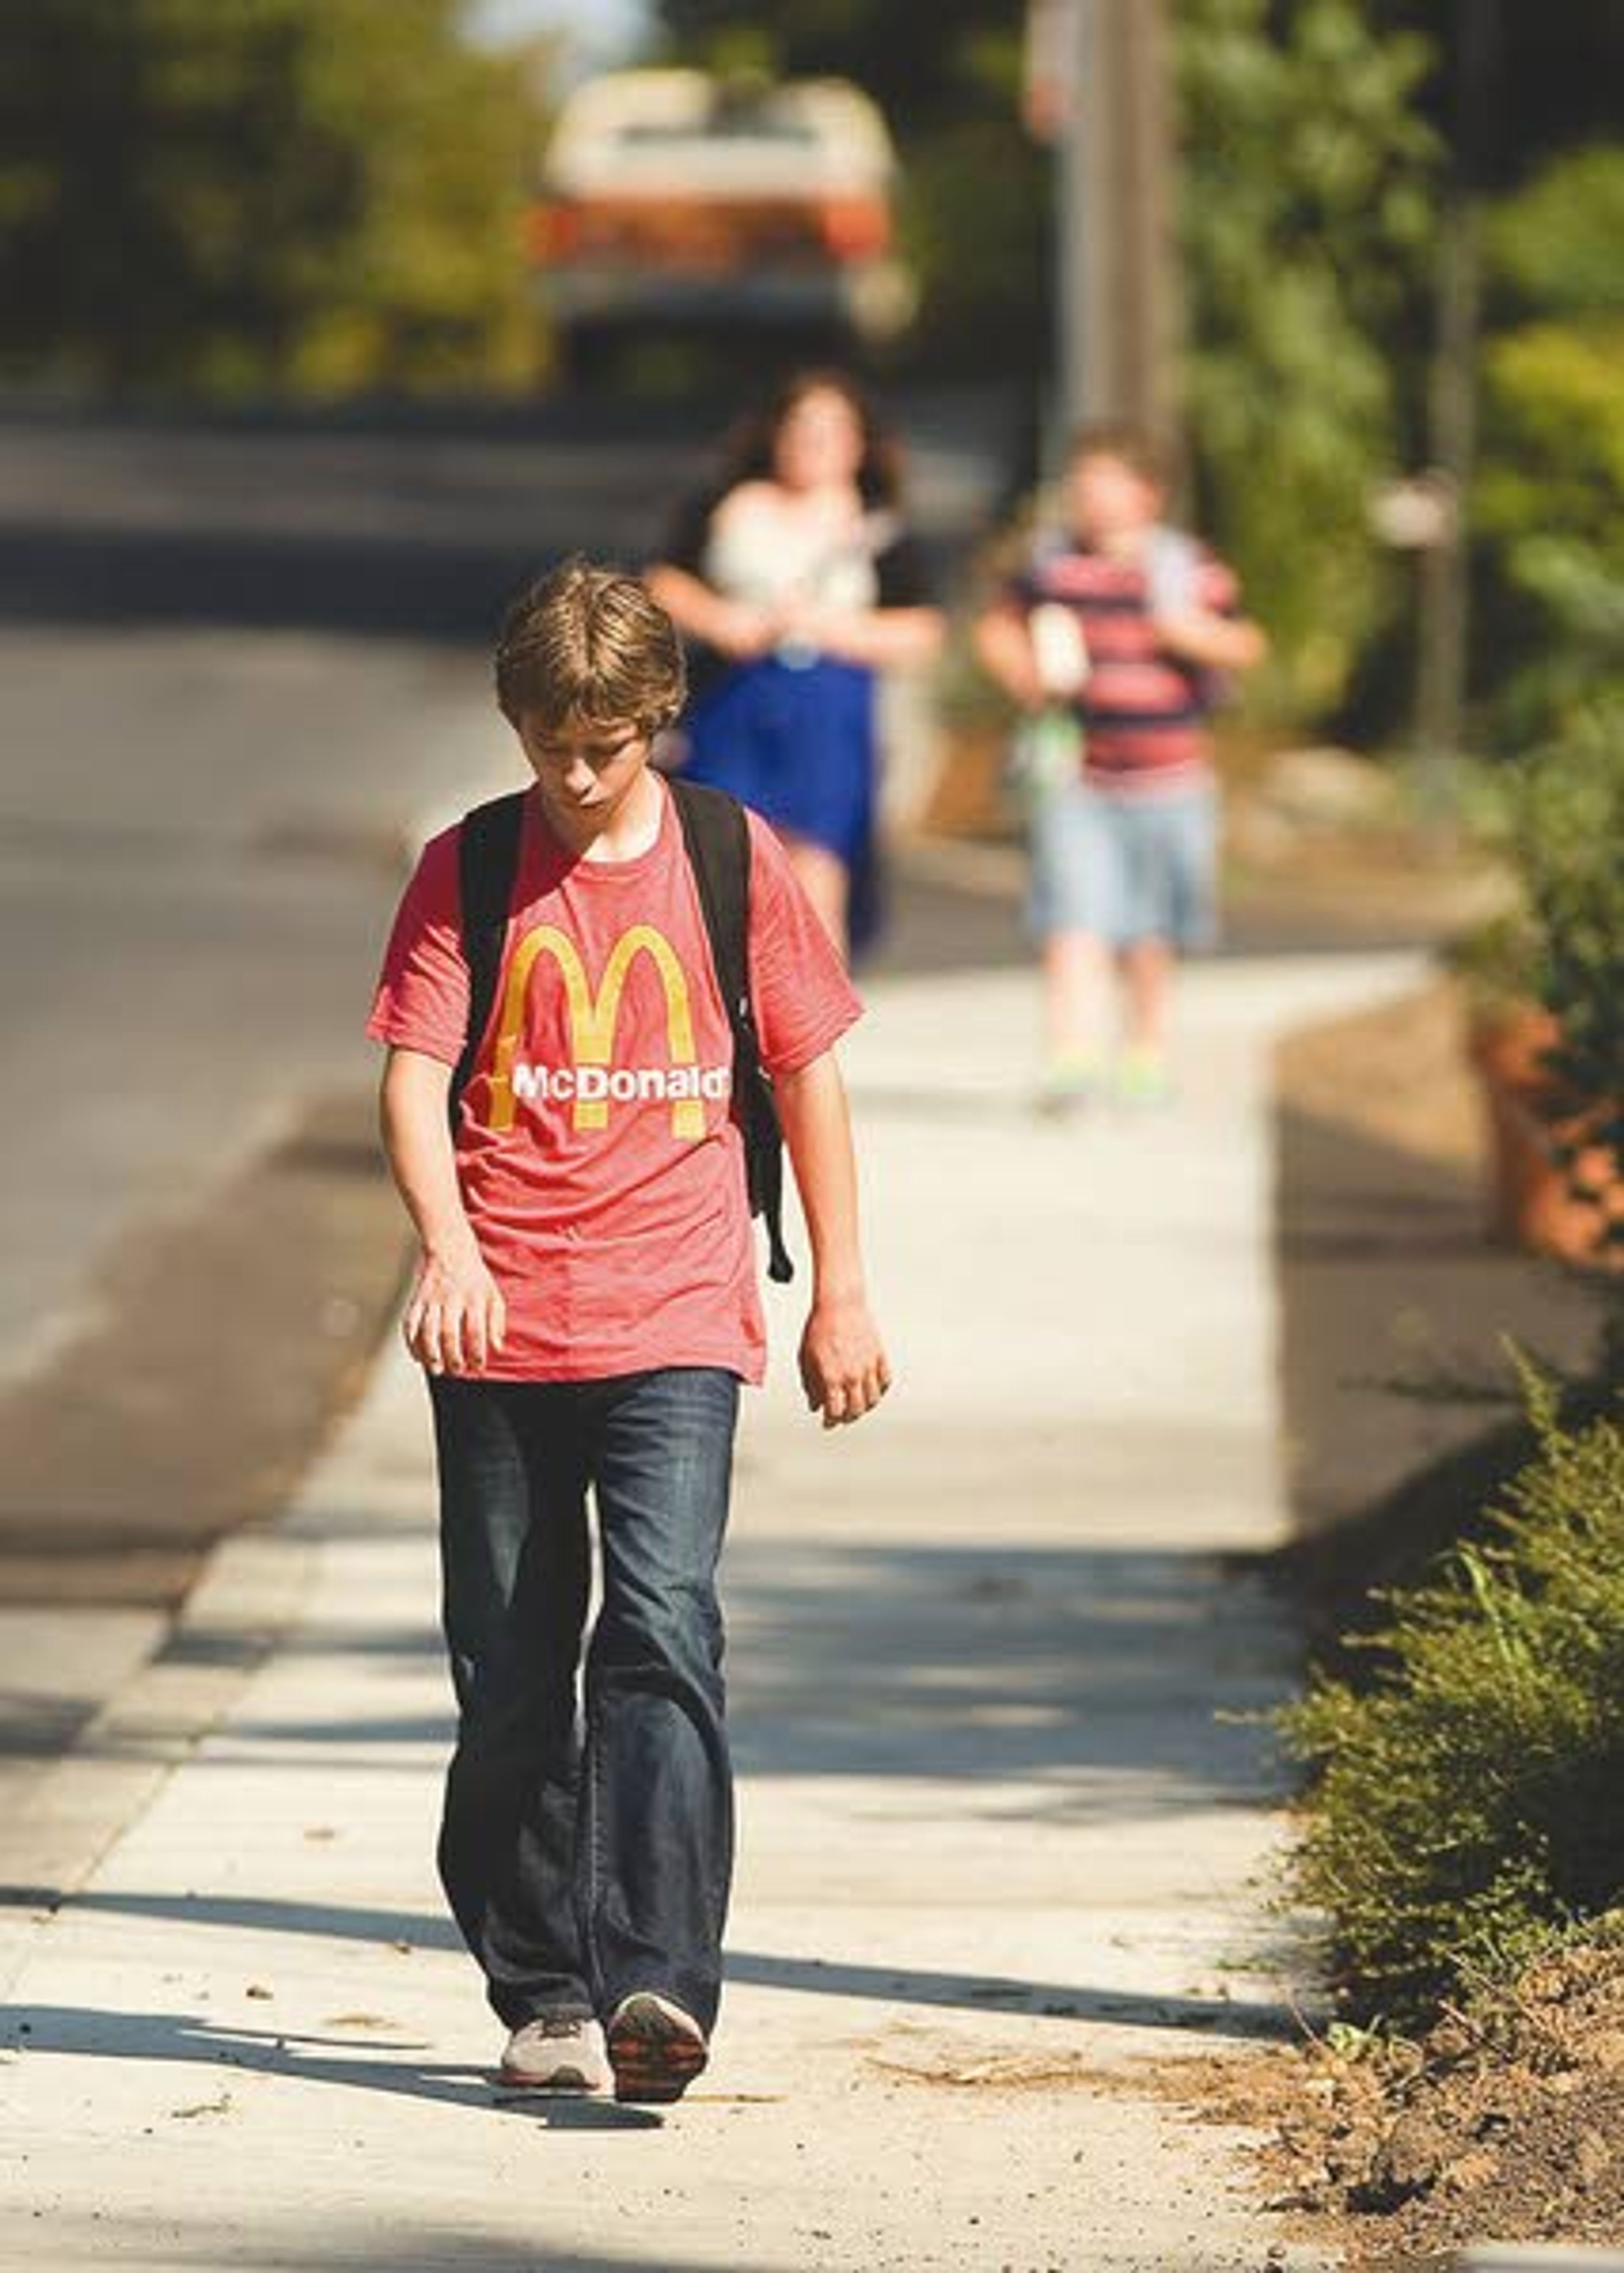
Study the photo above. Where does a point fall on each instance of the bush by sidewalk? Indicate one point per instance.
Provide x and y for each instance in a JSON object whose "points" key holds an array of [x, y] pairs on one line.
{"points": [[1461, 1839], [1462, 1810]]}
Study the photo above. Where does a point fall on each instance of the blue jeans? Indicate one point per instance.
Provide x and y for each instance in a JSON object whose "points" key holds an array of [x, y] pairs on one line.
{"points": [[586, 1854]]}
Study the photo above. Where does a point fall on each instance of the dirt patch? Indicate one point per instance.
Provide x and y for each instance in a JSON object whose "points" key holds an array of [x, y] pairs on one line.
{"points": [[1397, 1074], [1505, 2122]]}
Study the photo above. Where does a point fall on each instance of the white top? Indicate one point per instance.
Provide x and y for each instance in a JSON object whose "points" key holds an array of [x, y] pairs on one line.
{"points": [[761, 553]]}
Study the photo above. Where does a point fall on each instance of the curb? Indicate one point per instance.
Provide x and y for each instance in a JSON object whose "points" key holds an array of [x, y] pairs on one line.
{"points": [[246, 1598], [249, 1594]]}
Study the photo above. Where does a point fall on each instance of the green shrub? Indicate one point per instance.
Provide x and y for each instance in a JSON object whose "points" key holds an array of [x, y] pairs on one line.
{"points": [[1558, 828], [1306, 215], [1571, 814], [1548, 505], [1463, 1808]]}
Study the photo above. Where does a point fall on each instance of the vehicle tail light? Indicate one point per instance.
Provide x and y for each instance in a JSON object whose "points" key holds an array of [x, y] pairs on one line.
{"points": [[856, 228], [552, 232]]}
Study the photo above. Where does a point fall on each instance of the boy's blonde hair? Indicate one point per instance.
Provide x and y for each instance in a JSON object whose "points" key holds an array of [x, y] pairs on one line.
{"points": [[589, 644], [1142, 452]]}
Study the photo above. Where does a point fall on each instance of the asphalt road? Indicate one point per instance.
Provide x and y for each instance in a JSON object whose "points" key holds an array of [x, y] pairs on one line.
{"points": [[238, 662]]}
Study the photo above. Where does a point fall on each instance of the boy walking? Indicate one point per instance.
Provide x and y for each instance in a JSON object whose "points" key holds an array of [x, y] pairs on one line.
{"points": [[586, 1307], [1112, 634]]}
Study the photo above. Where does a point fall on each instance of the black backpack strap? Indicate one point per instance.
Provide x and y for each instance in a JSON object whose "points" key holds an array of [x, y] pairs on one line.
{"points": [[487, 865], [717, 837]]}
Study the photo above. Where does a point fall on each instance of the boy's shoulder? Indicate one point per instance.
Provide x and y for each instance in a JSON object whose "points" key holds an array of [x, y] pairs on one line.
{"points": [[432, 889], [767, 856]]}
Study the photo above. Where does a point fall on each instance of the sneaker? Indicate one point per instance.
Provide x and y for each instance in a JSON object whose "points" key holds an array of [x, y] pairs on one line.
{"points": [[1144, 1078], [1072, 1080], [655, 2048], [554, 2052]]}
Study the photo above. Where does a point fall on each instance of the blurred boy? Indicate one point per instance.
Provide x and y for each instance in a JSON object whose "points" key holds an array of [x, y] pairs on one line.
{"points": [[585, 1306], [1114, 631]]}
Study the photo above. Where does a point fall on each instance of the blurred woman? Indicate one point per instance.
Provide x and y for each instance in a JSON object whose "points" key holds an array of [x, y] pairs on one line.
{"points": [[796, 583]]}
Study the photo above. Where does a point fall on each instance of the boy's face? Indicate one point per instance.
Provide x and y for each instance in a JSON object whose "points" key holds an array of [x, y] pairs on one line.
{"points": [[1109, 499], [585, 768]]}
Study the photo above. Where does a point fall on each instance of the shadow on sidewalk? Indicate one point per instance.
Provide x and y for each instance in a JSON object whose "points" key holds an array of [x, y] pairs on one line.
{"points": [[410, 2246], [1108, 1686], [1251, 2019], [190, 2041], [404, 2244]]}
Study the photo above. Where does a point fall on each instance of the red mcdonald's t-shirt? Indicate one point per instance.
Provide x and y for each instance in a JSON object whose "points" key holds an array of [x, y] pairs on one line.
{"points": [[600, 1166]]}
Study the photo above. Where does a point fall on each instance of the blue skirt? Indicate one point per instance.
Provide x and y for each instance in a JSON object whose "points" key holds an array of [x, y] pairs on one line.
{"points": [[797, 745]]}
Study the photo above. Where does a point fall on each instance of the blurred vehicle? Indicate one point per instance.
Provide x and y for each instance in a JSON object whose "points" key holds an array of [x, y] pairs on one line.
{"points": [[673, 201]]}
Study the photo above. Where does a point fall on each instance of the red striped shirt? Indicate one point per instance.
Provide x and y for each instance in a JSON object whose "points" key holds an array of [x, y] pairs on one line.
{"points": [[1143, 710]]}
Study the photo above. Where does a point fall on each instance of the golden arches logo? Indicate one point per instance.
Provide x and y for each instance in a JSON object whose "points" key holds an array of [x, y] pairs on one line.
{"points": [[592, 1019]]}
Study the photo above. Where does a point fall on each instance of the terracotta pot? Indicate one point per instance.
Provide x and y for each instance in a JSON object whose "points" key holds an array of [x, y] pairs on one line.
{"points": [[1531, 1119]]}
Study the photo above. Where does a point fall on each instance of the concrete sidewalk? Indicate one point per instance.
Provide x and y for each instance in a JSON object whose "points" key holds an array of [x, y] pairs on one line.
{"points": [[997, 1844]]}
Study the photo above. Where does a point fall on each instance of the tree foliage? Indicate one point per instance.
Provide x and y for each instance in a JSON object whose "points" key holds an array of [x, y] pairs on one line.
{"points": [[1307, 221], [972, 52], [1550, 502], [278, 193]]}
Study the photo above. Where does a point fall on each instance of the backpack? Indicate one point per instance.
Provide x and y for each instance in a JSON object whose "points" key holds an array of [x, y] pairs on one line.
{"points": [[1173, 571], [716, 838]]}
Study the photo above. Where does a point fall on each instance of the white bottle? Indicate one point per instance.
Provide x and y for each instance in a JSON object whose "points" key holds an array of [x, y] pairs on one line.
{"points": [[1049, 744], [1059, 651]]}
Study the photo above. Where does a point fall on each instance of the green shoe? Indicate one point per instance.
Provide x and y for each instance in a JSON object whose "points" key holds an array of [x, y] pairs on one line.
{"points": [[1144, 1079], [1071, 1080]]}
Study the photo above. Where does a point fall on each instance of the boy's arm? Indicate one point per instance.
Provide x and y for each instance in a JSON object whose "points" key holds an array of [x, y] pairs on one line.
{"points": [[843, 1366], [1216, 643], [455, 1318]]}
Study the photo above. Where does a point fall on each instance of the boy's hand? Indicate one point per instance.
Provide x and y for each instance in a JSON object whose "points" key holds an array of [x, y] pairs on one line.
{"points": [[843, 1368], [456, 1319]]}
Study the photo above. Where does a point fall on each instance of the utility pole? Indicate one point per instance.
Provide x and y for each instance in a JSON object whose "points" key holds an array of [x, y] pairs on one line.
{"points": [[1099, 87], [1444, 627]]}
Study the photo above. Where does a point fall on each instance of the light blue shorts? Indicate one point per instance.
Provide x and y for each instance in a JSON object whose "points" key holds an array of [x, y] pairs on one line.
{"points": [[1126, 868]]}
